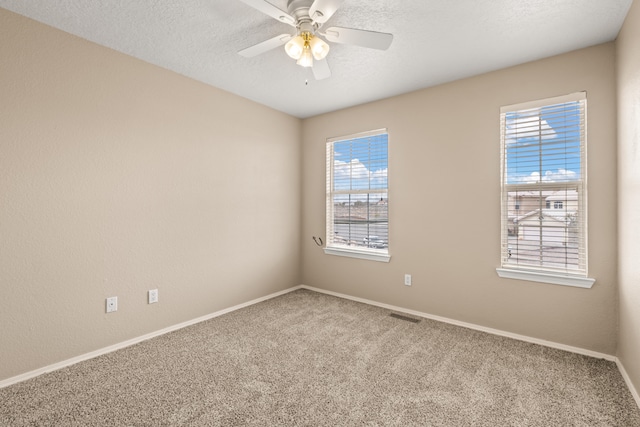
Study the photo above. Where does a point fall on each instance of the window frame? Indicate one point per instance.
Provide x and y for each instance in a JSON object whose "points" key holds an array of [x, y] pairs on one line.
{"points": [[331, 247], [529, 272]]}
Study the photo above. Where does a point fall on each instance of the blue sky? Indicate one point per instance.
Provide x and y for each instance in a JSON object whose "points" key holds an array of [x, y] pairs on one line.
{"points": [[551, 134]]}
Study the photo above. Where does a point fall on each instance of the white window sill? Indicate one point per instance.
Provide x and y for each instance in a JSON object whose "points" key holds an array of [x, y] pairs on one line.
{"points": [[555, 279], [370, 255]]}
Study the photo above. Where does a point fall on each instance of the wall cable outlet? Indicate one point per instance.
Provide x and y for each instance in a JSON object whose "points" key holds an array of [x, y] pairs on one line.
{"points": [[112, 304]]}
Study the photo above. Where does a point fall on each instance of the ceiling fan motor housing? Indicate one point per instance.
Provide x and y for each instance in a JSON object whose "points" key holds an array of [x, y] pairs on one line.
{"points": [[299, 9]]}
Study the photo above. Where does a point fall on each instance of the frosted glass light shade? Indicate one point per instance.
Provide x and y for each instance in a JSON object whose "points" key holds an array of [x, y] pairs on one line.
{"points": [[306, 59], [319, 48], [295, 47]]}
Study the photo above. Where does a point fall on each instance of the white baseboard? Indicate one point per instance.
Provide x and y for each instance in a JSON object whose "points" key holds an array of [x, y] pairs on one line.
{"points": [[525, 338], [121, 345], [627, 380]]}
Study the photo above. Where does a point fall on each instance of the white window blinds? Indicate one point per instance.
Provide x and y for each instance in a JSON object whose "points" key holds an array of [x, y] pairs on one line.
{"points": [[357, 192], [543, 173]]}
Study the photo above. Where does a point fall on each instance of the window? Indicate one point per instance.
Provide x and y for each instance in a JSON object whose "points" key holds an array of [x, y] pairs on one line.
{"points": [[543, 152], [357, 196]]}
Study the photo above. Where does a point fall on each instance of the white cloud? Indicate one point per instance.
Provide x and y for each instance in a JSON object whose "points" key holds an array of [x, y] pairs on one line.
{"points": [[355, 169], [525, 179], [559, 175], [522, 127], [355, 175], [379, 178]]}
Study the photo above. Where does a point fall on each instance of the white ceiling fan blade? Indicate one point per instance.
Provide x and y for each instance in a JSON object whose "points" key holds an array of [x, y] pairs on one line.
{"points": [[321, 10], [269, 9], [321, 69], [371, 39], [265, 46]]}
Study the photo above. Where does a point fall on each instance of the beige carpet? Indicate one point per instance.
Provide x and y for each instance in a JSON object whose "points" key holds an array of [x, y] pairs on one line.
{"points": [[308, 359]]}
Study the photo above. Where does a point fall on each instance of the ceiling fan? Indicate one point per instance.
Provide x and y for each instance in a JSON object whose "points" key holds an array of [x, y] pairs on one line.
{"points": [[306, 46]]}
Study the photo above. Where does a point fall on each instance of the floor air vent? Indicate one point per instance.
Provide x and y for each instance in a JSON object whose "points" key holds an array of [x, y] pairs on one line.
{"points": [[407, 318]]}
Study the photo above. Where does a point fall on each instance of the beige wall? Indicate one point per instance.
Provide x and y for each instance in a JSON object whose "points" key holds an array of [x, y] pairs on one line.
{"points": [[443, 159], [629, 193], [117, 177]]}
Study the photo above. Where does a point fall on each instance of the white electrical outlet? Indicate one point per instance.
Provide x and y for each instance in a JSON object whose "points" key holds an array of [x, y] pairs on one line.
{"points": [[407, 280], [112, 304], [153, 296]]}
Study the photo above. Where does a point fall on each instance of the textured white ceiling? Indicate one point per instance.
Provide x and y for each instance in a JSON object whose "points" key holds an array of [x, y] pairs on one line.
{"points": [[435, 41]]}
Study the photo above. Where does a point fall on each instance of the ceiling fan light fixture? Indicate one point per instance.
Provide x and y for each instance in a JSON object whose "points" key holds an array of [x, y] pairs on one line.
{"points": [[308, 17], [319, 48], [306, 59], [295, 47]]}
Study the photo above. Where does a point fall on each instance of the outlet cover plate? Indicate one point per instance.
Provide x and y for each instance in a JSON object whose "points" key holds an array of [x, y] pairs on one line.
{"points": [[407, 279], [153, 296], [112, 304]]}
